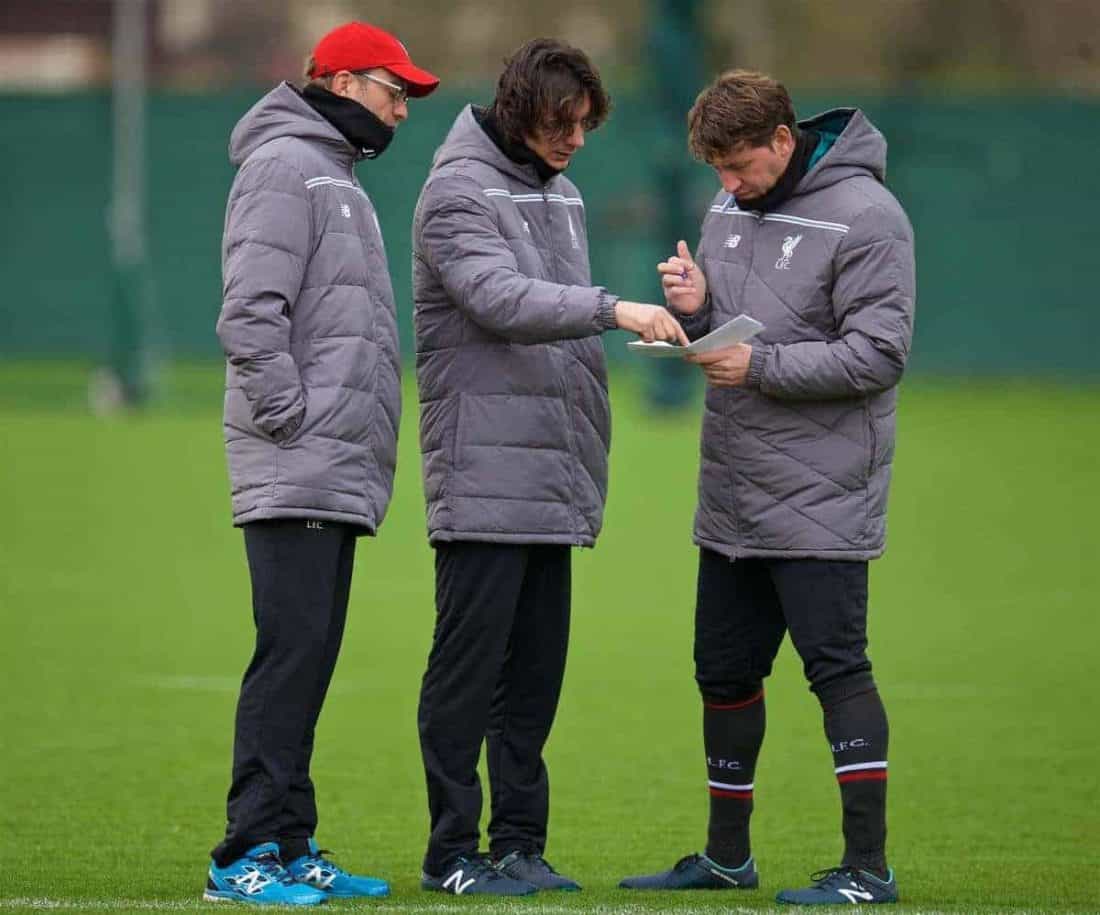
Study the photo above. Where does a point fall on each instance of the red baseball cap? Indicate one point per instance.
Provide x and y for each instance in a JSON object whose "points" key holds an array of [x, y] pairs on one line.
{"points": [[359, 46]]}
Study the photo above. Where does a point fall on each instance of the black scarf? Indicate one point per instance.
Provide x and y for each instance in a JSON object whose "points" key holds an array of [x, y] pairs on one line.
{"points": [[805, 144], [520, 153], [361, 127]]}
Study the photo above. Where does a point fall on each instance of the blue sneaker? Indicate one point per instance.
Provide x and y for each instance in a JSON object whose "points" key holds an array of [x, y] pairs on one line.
{"points": [[698, 872], [316, 871], [475, 874], [258, 878], [843, 886]]}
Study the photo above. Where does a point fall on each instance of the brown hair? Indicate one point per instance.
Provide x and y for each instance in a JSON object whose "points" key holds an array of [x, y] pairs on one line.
{"points": [[310, 80], [543, 84], [740, 106]]}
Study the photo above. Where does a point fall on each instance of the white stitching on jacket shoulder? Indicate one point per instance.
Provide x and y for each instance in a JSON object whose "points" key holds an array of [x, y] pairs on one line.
{"points": [[533, 198], [325, 180], [782, 217]]}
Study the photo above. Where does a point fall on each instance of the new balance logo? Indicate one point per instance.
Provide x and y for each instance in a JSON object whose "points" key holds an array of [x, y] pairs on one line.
{"points": [[251, 882], [346, 210], [457, 884], [732, 242], [789, 244], [856, 896], [317, 876]]}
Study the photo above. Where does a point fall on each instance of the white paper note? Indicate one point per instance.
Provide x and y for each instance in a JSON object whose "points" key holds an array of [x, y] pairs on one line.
{"points": [[738, 330]]}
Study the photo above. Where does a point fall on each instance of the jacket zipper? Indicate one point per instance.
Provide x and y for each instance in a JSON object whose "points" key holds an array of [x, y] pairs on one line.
{"points": [[758, 218], [565, 381], [369, 457]]}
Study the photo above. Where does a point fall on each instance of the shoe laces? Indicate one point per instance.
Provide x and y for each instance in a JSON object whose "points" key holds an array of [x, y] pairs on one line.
{"points": [[269, 865], [686, 862], [320, 860], [832, 877], [535, 859], [479, 866]]}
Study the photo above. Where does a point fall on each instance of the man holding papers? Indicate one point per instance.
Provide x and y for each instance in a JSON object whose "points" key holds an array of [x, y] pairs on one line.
{"points": [[797, 443]]}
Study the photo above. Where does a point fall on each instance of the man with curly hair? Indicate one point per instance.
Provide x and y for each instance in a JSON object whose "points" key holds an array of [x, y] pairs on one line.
{"points": [[514, 430]]}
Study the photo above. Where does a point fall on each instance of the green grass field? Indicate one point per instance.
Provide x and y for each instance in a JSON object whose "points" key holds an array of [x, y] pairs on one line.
{"points": [[126, 626]]}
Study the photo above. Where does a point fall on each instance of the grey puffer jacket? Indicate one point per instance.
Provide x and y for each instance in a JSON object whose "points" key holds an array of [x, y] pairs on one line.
{"points": [[514, 418], [308, 325], [796, 464]]}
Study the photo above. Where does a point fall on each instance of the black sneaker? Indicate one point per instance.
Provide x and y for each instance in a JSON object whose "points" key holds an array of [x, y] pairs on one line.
{"points": [[697, 872], [843, 886], [536, 870], [475, 874]]}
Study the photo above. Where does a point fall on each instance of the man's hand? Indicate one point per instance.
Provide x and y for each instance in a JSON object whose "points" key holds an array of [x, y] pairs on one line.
{"points": [[684, 284], [725, 368], [650, 322]]}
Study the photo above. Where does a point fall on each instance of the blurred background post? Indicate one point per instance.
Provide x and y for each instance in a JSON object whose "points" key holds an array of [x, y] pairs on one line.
{"points": [[675, 76], [127, 373]]}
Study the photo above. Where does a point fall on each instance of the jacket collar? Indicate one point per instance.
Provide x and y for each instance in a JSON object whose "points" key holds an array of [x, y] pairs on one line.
{"points": [[467, 140]]}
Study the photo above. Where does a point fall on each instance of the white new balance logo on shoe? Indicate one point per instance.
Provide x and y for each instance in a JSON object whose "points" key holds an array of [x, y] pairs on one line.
{"points": [[854, 896], [317, 876], [456, 882], [251, 882]]}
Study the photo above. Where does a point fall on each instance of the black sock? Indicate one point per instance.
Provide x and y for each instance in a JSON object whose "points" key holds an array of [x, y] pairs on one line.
{"points": [[858, 734], [732, 734], [293, 848]]}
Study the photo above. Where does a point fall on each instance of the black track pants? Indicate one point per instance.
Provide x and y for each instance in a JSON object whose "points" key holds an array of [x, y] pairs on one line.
{"points": [[494, 675], [301, 577]]}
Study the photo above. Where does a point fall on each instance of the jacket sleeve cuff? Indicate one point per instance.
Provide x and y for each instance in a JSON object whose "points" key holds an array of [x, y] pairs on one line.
{"points": [[696, 324], [759, 356], [605, 311]]}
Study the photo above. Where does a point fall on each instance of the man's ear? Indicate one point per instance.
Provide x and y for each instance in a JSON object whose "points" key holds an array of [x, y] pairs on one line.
{"points": [[341, 82], [783, 140]]}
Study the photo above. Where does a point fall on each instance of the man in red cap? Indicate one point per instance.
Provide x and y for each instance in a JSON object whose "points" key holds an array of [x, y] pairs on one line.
{"points": [[365, 50], [312, 405]]}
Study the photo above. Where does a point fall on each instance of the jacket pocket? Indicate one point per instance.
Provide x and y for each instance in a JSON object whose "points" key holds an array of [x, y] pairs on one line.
{"points": [[292, 431], [872, 441], [458, 437]]}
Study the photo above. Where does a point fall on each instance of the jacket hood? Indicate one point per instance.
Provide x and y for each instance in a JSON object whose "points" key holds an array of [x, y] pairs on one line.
{"points": [[857, 149], [467, 140], [284, 113]]}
